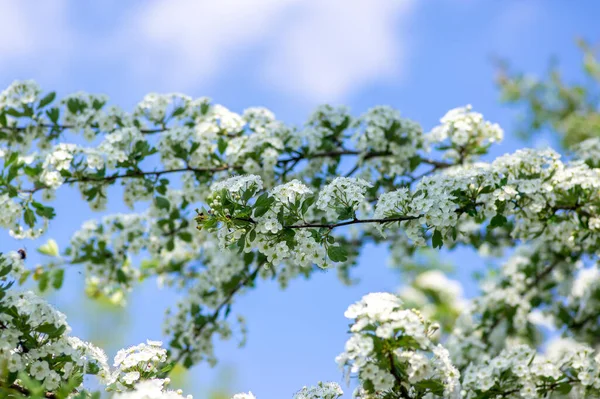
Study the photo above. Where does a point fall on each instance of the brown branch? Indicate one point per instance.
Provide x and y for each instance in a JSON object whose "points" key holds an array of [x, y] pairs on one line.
{"points": [[397, 377], [135, 174], [332, 226], [61, 128], [365, 156], [282, 162]]}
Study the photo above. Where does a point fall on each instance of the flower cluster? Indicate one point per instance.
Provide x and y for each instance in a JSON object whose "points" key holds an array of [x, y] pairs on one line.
{"points": [[530, 187], [589, 151], [384, 132], [152, 389], [20, 93], [35, 341], [323, 390], [11, 212], [519, 372], [137, 363], [341, 198], [462, 129], [390, 349]]}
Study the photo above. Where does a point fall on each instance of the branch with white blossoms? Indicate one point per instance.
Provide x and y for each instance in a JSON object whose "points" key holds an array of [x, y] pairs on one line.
{"points": [[391, 353], [520, 372], [193, 138], [539, 286], [39, 357], [35, 343], [201, 142], [280, 202], [544, 198]]}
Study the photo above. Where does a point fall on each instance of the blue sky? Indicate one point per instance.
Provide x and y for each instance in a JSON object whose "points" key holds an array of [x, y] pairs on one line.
{"points": [[289, 55]]}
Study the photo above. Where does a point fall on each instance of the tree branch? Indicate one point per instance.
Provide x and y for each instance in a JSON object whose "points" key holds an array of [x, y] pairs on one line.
{"points": [[134, 174]]}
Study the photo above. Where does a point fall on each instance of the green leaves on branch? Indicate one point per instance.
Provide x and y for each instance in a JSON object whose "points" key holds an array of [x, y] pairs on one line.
{"points": [[47, 99], [263, 204], [337, 253], [162, 203], [437, 240]]}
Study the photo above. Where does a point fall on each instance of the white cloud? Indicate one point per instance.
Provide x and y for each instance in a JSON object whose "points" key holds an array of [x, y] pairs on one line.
{"points": [[33, 37], [187, 42], [330, 48], [315, 50], [320, 50]]}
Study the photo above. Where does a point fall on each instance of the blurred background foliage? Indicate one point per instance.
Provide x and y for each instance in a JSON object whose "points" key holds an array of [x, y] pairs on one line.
{"points": [[568, 110]]}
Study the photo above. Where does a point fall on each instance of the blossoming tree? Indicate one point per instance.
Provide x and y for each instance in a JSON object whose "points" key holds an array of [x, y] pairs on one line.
{"points": [[231, 198]]}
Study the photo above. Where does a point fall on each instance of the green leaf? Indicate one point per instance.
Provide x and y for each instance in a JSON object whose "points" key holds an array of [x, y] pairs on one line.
{"points": [[148, 264], [47, 99], [29, 217], [178, 111], [12, 192], [162, 203], [11, 159], [247, 195], [345, 213], [564, 388], [58, 278], [437, 239], [188, 362], [14, 112], [162, 190], [262, 200], [43, 211], [72, 105], [91, 193], [337, 253], [97, 104], [170, 245], [222, 145], [121, 276], [186, 236], [24, 277], [53, 114], [167, 367], [414, 162], [486, 190], [13, 171], [46, 328], [12, 377], [50, 248], [498, 221], [436, 387], [307, 203], [248, 258], [260, 211], [5, 270], [43, 282]]}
